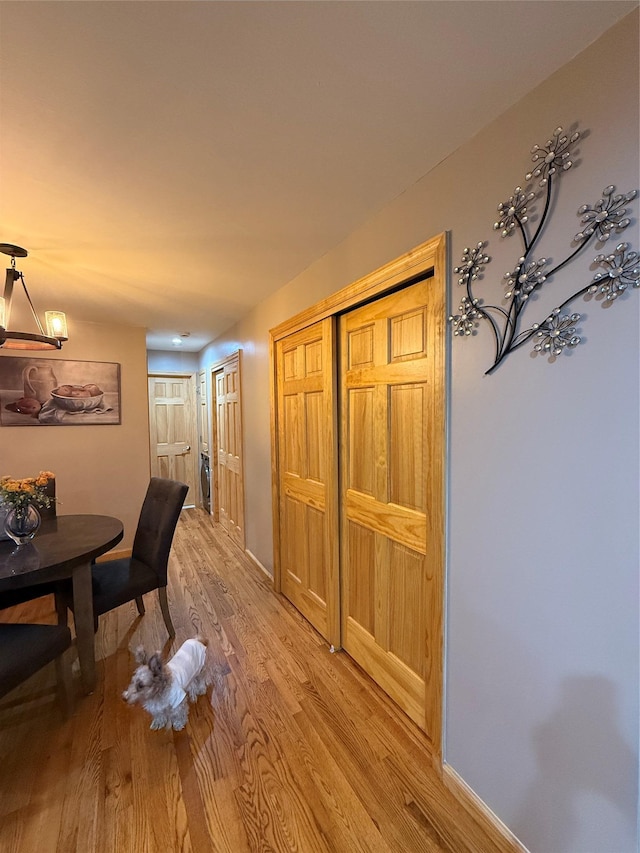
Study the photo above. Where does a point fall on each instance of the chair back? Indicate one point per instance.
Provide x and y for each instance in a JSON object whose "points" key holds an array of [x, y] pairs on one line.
{"points": [[157, 523]]}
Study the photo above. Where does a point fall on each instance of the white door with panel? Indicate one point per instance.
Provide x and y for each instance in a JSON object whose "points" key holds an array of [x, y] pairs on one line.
{"points": [[173, 432]]}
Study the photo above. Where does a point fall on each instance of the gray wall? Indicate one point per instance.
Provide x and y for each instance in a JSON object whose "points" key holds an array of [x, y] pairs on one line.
{"points": [[171, 361], [542, 575]]}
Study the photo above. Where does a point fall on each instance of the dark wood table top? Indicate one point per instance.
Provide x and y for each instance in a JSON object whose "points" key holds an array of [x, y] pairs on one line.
{"points": [[61, 544]]}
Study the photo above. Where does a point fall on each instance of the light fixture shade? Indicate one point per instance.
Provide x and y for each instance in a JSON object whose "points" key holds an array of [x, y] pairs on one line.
{"points": [[56, 323]]}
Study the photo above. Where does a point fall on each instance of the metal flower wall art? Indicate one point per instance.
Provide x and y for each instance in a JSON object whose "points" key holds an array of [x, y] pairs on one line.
{"points": [[617, 270]]}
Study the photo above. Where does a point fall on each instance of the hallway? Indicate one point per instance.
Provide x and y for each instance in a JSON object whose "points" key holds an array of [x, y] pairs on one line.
{"points": [[293, 749]]}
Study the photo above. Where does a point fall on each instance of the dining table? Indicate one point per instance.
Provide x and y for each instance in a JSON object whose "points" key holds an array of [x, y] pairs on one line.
{"points": [[63, 549]]}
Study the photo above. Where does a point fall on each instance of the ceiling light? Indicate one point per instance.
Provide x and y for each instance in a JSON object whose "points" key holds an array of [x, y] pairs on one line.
{"points": [[177, 342], [55, 321]]}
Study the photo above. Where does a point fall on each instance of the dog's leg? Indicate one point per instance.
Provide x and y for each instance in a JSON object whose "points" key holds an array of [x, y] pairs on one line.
{"points": [[200, 685], [179, 716], [160, 721]]}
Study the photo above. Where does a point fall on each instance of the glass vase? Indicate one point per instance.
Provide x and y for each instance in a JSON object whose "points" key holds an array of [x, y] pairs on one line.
{"points": [[22, 523]]}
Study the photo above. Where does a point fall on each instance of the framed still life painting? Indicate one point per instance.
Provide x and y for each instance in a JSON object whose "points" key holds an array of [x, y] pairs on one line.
{"points": [[55, 392]]}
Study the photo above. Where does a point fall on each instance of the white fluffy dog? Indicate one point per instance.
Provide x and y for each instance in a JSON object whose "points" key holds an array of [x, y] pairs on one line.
{"points": [[165, 689]]}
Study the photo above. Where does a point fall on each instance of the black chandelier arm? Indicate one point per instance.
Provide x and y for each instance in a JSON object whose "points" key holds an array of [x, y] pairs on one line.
{"points": [[33, 310]]}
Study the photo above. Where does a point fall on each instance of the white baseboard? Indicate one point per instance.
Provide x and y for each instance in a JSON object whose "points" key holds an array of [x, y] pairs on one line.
{"points": [[502, 837], [257, 562]]}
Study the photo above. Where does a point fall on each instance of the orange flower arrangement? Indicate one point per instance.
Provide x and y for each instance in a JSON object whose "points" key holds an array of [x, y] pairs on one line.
{"points": [[18, 494]]}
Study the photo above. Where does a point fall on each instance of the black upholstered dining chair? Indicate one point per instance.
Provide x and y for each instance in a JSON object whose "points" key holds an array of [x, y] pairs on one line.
{"points": [[116, 582], [25, 648], [11, 597]]}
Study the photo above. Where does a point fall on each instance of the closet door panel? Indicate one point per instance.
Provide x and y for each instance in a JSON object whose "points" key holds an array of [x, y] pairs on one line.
{"points": [[385, 390], [307, 477], [361, 604]]}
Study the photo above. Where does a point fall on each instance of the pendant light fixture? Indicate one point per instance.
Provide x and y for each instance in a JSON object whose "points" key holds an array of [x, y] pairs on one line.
{"points": [[55, 321]]}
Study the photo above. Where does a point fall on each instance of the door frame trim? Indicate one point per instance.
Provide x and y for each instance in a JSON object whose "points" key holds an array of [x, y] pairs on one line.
{"points": [[430, 256]]}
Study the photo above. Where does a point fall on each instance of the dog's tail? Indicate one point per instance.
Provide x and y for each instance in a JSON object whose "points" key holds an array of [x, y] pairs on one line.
{"points": [[202, 640]]}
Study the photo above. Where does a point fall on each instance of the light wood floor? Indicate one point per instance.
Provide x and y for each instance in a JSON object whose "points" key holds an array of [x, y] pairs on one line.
{"points": [[292, 749]]}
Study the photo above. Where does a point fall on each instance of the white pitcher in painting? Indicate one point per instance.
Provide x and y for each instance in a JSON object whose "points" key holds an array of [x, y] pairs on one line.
{"points": [[39, 381]]}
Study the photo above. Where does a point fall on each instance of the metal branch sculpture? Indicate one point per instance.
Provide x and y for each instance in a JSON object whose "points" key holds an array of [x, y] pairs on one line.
{"points": [[620, 269]]}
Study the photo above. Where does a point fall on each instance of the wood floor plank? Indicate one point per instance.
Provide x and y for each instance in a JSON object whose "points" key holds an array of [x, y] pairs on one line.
{"points": [[42, 817], [118, 803], [292, 749], [349, 824]]}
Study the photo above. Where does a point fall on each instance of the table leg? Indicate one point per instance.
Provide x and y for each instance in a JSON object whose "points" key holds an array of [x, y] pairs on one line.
{"points": [[83, 618]]}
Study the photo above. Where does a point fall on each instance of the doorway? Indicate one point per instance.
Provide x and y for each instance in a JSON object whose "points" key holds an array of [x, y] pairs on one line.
{"points": [[172, 430], [227, 460]]}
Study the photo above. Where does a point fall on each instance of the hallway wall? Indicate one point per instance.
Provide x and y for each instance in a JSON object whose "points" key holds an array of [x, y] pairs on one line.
{"points": [[542, 598]]}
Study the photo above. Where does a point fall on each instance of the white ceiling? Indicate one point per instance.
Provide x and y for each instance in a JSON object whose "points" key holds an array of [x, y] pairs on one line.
{"points": [[171, 164]]}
